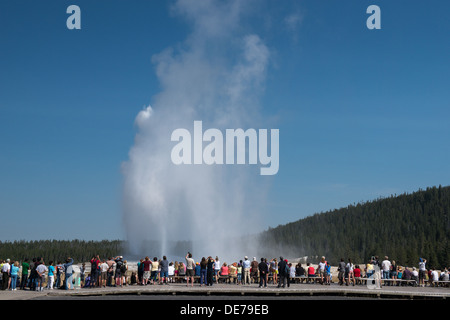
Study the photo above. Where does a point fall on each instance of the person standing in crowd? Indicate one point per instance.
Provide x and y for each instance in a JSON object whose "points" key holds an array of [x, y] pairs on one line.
{"points": [[190, 265], [140, 272], [341, 271], [239, 272], [147, 269], [6, 268], [59, 274], [25, 270], [164, 273], [263, 271], [68, 271], [82, 274], [103, 273], [254, 270], [125, 273], [349, 273], [118, 276], [14, 274], [393, 272], [95, 263], [322, 265], [51, 275], [422, 271], [217, 267], [41, 269], [246, 270], [210, 271], [154, 272], [282, 273], [386, 267], [203, 272], [327, 274], [111, 264]]}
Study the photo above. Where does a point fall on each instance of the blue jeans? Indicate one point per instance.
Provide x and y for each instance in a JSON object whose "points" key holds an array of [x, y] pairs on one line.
{"points": [[68, 281], [386, 274], [58, 279], [164, 275], [203, 273], [153, 275], [13, 281]]}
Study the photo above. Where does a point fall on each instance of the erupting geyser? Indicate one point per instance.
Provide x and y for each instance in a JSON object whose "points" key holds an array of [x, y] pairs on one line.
{"points": [[216, 76]]}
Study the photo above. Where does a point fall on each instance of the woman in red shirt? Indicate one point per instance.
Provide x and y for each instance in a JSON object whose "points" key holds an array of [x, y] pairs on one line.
{"points": [[224, 270]]}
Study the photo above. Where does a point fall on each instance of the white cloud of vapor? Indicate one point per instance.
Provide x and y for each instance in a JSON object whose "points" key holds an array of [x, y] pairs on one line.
{"points": [[216, 75]]}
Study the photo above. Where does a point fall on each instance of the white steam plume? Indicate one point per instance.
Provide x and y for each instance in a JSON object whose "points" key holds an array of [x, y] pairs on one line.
{"points": [[217, 76]]}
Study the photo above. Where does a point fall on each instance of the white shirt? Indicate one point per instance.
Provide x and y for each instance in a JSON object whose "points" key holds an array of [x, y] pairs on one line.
{"points": [[104, 267], [422, 266], [6, 267], [292, 272], [435, 275], [386, 265], [41, 268], [171, 270]]}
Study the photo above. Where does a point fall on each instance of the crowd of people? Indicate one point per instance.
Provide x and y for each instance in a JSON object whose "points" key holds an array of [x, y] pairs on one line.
{"points": [[114, 271], [36, 274]]}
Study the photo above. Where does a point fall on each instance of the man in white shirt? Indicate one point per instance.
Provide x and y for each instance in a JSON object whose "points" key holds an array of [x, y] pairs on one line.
{"points": [[190, 272], [386, 266], [41, 270], [422, 271], [434, 278], [6, 268], [104, 273]]}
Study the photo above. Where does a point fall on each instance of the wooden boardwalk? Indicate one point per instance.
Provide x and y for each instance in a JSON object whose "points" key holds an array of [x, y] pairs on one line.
{"points": [[241, 291]]}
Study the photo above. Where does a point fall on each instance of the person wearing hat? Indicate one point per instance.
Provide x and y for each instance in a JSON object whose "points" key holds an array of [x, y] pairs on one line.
{"points": [[422, 271]]}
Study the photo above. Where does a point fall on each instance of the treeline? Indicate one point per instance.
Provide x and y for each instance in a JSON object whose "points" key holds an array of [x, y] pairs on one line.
{"points": [[57, 250], [404, 227]]}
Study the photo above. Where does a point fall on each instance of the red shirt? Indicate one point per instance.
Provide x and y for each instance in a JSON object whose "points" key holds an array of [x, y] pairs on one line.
{"points": [[224, 271], [147, 264], [311, 270], [357, 272]]}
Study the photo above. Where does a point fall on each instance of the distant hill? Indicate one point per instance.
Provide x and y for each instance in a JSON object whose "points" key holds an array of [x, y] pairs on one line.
{"points": [[403, 227]]}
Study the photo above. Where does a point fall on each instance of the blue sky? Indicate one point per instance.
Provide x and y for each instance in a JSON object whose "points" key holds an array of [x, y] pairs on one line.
{"points": [[362, 113]]}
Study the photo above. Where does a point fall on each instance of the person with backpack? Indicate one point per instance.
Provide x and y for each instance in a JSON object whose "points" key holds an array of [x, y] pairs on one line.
{"points": [[95, 263], [118, 275]]}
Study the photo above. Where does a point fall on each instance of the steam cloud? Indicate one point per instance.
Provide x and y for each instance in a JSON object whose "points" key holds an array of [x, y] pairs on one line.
{"points": [[216, 75]]}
